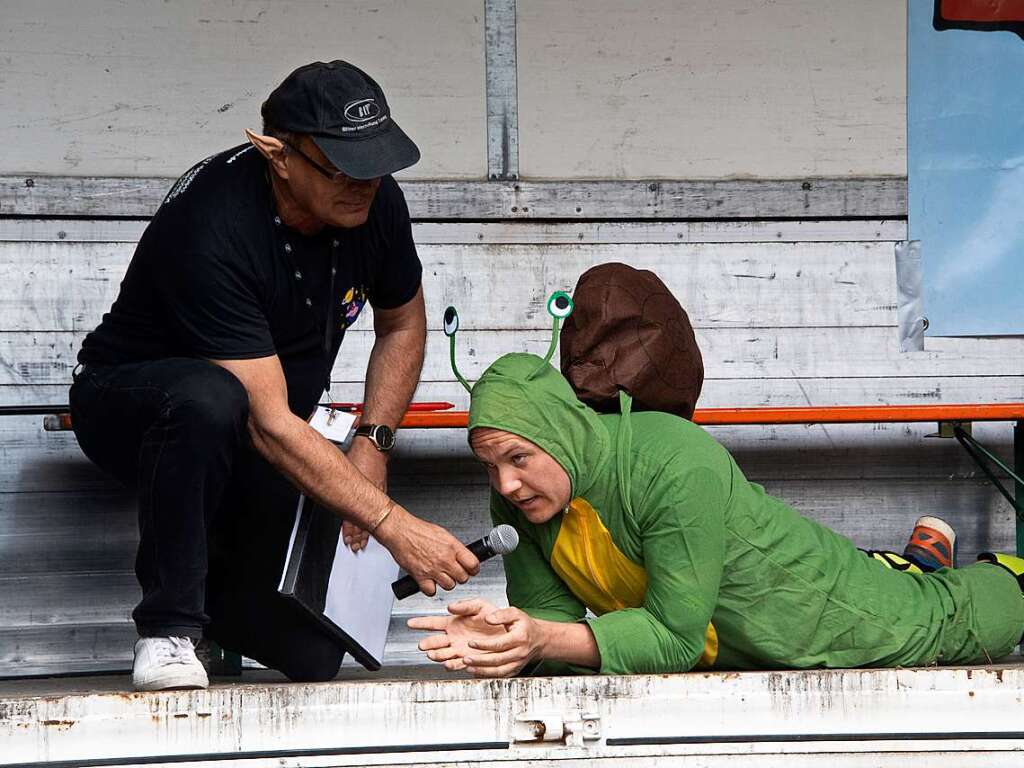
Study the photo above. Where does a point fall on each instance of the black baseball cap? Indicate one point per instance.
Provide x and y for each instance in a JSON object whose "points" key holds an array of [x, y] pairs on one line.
{"points": [[344, 112]]}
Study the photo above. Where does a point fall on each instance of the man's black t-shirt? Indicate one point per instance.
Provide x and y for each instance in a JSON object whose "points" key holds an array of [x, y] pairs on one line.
{"points": [[217, 275]]}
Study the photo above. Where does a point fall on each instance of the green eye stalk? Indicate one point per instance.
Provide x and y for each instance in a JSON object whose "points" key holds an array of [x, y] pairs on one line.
{"points": [[559, 307], [451, 325]]}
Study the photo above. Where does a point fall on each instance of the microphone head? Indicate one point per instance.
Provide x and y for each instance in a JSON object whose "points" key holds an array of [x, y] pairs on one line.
{"points": [[503, 539]]}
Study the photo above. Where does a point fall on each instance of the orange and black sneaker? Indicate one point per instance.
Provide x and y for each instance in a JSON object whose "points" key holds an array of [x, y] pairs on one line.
{"points": [[1011, 563], [932, 544]]}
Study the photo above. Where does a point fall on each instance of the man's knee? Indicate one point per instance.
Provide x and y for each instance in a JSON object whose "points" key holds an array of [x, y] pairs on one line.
{"points": [[314, 665], [213, 402]]}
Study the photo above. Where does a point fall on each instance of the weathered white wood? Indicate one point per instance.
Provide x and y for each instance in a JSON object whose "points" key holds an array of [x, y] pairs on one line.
{"points": [[536, 233], [641, 232], [825, 324], [108, 597], [810, 198], [33, 461], [711, 88], [58, 286], [42, 649], [148, 88], [729, 353], [874, 513], [96, 597], [725, 392], [62, 612]]}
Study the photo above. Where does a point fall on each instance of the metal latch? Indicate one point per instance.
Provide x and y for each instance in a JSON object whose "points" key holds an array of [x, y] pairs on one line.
{"points": [[572, 731]]}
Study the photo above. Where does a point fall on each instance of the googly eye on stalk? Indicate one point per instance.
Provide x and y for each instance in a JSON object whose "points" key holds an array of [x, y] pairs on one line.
{"points": [[451, 321], [559, 307], [451, 326]]}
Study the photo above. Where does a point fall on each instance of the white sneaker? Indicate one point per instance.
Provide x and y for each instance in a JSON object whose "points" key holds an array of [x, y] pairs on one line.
{"points": [[166, 662]]}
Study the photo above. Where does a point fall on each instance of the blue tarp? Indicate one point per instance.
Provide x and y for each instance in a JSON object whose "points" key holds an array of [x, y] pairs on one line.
{"points": [[965, 108]]}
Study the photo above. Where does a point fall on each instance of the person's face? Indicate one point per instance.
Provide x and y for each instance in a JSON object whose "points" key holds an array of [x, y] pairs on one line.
{"points": [[522, 473], [344, 202]]}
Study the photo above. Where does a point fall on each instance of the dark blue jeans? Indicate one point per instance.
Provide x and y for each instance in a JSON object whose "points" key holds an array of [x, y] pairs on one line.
{"points": [[214, 516]]}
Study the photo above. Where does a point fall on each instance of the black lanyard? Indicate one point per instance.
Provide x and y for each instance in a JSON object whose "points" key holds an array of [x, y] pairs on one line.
{"points": [[329, 325]]}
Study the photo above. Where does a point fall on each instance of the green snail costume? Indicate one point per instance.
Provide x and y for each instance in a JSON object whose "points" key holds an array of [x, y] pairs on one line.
{"points": [[685, 563]]}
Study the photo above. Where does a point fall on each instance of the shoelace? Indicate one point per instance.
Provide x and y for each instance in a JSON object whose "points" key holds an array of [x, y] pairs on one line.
{"points": [[174, 650]]}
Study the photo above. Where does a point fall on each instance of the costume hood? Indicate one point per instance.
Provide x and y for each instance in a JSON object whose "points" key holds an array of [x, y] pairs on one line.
{"points": [[522, 394]]}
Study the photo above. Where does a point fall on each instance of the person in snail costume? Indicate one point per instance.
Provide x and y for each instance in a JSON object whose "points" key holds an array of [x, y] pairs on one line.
{"points": [[647, 521]]}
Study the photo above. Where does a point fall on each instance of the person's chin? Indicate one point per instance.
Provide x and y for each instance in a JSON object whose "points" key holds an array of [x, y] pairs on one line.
{"points": [[540, 511], [350, 217]]}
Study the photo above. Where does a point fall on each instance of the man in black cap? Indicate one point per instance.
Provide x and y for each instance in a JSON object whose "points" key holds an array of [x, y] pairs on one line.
{"points": [[197, 386]]}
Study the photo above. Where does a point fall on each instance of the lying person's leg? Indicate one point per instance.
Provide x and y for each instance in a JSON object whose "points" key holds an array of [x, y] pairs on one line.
{"points": [[931, 546], [984, 614], [989, 616]]}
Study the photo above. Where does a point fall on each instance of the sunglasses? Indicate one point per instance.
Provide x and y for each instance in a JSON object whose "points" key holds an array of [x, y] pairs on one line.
{"points": [[338, 177]]}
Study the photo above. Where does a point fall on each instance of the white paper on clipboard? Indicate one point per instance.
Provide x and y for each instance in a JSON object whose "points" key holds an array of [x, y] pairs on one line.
{"points": [[359, 596]]}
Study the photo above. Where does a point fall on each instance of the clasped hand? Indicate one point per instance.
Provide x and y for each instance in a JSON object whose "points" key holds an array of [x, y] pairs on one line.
{"points": [[481, 638]]}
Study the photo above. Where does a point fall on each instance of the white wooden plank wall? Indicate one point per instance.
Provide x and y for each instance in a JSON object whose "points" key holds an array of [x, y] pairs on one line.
{"points": [[786, 314]]}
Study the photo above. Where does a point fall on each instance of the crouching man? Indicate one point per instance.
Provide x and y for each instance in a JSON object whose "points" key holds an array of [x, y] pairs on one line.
{"points": [[197, 385]]}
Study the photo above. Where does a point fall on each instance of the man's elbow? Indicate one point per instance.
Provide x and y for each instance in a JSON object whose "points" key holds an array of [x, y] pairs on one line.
{"points": [[267, 432]]}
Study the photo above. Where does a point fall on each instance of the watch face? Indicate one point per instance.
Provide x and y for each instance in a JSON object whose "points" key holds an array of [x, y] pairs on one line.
{"points": [[384, 437]]}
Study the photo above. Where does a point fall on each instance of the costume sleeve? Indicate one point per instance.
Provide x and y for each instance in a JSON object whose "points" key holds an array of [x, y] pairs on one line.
{"points": [[211, 305], [400, 271], [681, 520], [531, 583]]}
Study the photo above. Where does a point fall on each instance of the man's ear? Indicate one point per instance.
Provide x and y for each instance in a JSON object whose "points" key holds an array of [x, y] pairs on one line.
{"points": [[272, 149]]}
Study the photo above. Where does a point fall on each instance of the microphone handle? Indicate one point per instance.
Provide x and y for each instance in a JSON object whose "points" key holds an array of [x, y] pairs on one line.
{"points": [[481, 548], [407, 586]]}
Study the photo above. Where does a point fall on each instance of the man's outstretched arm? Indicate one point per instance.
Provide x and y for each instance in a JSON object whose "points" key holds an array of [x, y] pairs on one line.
{"points": [[426, 551], [392, 373]]}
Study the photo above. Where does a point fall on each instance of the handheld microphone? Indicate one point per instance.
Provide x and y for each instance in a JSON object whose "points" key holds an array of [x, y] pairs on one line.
{"points": [[500, 541]]}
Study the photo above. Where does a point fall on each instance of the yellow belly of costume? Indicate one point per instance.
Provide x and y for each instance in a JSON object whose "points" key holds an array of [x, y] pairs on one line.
{"points": [[604, 579]]}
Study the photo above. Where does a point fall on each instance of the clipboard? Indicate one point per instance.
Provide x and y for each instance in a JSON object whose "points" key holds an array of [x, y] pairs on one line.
{"points": [[347, 593]]}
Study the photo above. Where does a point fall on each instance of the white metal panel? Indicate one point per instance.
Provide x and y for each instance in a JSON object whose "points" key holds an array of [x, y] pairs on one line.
{"points": [[148, 88], [502, 98], [882, 717], [711, 88]]}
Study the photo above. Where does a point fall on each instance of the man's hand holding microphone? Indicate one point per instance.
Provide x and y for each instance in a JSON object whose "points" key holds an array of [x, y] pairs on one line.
{"points": [[427, 552], [500, 541]]}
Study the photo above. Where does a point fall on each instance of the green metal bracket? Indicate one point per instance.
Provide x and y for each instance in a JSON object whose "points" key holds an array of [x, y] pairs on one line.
{"points": [[1018, 486], [984, 458]]}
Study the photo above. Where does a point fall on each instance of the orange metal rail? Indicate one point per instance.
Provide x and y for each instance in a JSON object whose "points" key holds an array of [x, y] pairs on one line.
{"points": [[848, 414]]}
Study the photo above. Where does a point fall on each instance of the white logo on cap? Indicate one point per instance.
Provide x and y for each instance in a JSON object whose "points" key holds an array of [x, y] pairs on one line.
{"points": [[361, 111]]}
